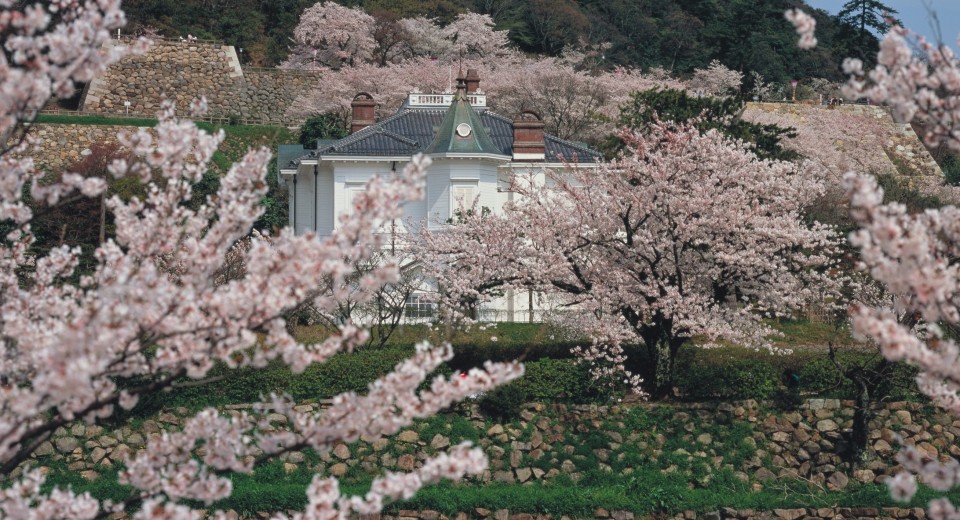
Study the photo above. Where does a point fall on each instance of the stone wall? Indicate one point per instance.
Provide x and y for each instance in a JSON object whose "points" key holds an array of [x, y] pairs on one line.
{"points": [[905, 151], [756, 443], [64, 145], [183, 71], [266, 94], [826, 513]]}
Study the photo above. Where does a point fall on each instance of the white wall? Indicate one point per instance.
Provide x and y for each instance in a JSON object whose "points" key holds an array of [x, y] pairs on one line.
{"points": [[443, 172], [335, 177]]}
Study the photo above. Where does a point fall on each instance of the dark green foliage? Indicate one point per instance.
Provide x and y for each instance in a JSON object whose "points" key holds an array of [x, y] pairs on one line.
{"points": [[859, 22], [468, 355], [546, 380], [324, 126], [725, 376], [867, 14], [275, 209], [736, 373], [821, 377], [504, 403], [344, 372], [555, 380], [951, 169], [702, 374], [899, 189], [722, 115]]}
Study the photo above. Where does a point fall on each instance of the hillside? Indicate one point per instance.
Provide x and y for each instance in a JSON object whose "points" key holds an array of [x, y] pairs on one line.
{"points": [[747, 35]]}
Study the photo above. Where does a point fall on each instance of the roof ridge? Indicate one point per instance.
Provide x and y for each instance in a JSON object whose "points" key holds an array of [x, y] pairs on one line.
{"points": [[399, 137], [572, 144]]}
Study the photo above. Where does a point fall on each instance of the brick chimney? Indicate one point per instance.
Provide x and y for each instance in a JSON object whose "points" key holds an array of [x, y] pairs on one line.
{"points": [[364, 112], [473, 81], [528, 142]]}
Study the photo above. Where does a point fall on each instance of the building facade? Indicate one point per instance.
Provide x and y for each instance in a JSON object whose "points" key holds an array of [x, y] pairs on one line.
{"points": [[473, 150]]}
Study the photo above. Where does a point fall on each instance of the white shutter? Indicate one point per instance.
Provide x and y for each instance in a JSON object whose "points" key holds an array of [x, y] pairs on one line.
{"points": [[351, 192], [464, 194]]}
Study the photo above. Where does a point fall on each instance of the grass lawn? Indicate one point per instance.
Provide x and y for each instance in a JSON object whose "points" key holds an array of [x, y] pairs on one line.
{"points": [[65, 119], [798, 333], [645, 492]]}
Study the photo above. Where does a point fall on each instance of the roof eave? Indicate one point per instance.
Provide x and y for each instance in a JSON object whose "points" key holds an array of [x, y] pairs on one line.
{"points": [[461, 155], [546, 164], [366, 158]]}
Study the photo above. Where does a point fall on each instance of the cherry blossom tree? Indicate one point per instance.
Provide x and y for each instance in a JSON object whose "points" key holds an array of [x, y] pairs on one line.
{"points": [[388, 85], [921, 86], [761, 89], [426, 39], [913, 255], [339, 34], [806, 27], [716, 80], [574, 104], [686, 234], [476, 35], [163, 302]]}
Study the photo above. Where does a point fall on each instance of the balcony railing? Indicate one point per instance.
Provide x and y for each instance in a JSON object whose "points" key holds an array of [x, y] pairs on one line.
{"points": [[443, 100]]}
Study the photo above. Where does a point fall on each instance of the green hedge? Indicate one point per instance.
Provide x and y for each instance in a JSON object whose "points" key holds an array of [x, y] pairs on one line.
{"points": [[729, 377], [736, 373], [466, 355], [343, 373], [551, 375]]}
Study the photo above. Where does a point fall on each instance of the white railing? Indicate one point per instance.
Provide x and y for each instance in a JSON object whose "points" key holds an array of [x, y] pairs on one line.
{"points": [[443, 100]]}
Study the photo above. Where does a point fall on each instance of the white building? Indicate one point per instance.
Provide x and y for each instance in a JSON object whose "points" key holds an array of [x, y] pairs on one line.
{"points": [[473, 150]]}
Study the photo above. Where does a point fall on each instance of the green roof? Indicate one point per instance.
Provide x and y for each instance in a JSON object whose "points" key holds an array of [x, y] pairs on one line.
{"points": [[472, 138]]}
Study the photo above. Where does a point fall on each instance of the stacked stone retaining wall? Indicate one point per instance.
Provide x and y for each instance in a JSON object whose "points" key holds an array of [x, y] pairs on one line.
{"points": [[825, 513], [759, 445], [905, 153], [186, 70], [62, 146]]}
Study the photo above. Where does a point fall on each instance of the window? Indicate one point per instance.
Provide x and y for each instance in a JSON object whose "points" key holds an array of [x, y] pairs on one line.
{"points": [[417, 306], [352, 192], [462, 194]]}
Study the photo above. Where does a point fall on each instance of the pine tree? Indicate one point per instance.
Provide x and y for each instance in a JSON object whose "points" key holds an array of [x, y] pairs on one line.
{"points": [[864, 14]]}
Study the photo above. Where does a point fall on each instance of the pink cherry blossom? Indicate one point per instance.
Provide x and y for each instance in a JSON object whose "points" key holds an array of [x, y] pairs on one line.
{"points": [[676, 238], [716, 80], [337, 33], [919, 80], [806, 26], [178, 288]]}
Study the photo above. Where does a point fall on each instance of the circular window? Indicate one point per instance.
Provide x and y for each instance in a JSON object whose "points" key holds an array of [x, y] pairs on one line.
{"points": [[463, 130]]}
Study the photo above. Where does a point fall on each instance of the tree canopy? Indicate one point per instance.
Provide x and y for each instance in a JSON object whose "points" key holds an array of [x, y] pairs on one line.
{"points": [[680, 36]]}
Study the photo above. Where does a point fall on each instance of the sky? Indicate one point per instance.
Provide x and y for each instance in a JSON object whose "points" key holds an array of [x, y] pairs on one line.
{"points": [[915, 16]]}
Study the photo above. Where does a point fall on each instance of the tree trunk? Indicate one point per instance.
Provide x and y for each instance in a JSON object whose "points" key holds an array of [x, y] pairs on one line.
{"points": [[103, 218], [659, 372], [859, 434]]}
